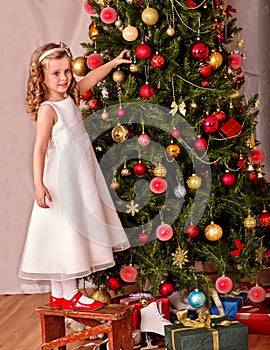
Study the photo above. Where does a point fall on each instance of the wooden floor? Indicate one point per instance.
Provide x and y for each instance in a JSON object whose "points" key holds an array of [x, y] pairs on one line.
{"points": [[20, 327]]}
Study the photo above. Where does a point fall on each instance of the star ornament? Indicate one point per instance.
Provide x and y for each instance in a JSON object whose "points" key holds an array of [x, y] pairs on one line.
{"points": [[260, 254], [180, 257], [132, 208]]}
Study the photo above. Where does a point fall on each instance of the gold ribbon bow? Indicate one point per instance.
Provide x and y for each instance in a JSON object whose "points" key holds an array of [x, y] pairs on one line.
{"points": [[203, 321], [176, 107]]}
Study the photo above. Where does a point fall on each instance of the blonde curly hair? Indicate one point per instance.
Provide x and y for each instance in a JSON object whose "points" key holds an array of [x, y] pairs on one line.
{"points": [[36, 90]]}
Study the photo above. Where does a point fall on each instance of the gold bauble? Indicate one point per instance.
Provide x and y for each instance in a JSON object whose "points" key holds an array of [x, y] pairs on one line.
{"points": [[102, 295], [116, 185], [134, 68], [193, 105], [130, 33], [213, 232], [150, 16], [93, 31], [105, 115], [194, 182], [118, 23], [118, 76], [170, 31], [250, 222], [125, 171], [160, 171], [79, 66], [119, 133], [215, 60], [144, 302], [173, 150], [103, 3]]}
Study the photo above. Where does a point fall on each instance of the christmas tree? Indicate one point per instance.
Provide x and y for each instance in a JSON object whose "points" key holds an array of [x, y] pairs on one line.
{"points": [[175, 140]]}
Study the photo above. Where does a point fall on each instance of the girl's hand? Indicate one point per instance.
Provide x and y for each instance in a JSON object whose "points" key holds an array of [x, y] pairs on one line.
{"points": [[42, 194], [120, 59]]}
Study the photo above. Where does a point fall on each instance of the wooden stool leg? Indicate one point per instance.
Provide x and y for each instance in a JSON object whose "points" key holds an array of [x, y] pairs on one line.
{"points": [[120, 338], [52, 327]]}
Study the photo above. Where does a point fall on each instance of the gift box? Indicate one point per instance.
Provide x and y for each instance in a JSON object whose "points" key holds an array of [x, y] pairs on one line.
{"points": [[230, 305], [140, 300], [231, 128], [180, 337], [256, 317]]}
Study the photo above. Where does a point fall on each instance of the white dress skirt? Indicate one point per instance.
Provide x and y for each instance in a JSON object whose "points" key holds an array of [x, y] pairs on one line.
{"points": [[80, 230]]}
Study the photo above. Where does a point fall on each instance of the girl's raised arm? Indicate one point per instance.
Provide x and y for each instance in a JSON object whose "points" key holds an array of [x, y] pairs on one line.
{"points": [[93, 77]]}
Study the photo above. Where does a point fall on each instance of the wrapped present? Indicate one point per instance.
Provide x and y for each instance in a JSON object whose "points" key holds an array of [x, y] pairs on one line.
{"points": [[197, 335], [256, 317], [139, 300], [230, 305], [231, 128]]}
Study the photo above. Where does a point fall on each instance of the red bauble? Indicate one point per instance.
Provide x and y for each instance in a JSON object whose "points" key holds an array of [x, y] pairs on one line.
{"points": [[164, 232], [220, 115], [143, 51], [93, 104], [87, 95], [176, 133], [129, 274], [144, 140], [236, 61], [88, 8], [224, 284], [108, 15], [199, 51], [264, 219], [193, 231], [210, 124], [157, 61], [228, 179], [143, 237], [257, 294], [205, 83], [139, 169], [253, 176], [257, 156], [200, 144], [94, 60], [114, 283], [205, 70], [166, 289], [121, 112], [158, 185], [147, 91]]}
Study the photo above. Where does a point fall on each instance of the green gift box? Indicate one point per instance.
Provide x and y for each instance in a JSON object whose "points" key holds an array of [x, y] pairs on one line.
{"points": [[179, 337]]}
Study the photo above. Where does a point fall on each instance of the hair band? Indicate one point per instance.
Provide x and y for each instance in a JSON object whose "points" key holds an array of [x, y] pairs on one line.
{"points": [[56, 49]]}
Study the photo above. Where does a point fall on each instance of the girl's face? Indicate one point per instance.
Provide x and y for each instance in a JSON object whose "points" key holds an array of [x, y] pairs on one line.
{"points": [[57, 78]]}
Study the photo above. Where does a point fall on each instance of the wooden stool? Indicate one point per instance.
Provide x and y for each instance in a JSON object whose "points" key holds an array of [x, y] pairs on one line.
{"points": [[117, 325]]}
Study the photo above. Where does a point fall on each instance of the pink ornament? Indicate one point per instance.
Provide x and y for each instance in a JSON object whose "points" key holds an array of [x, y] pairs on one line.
{"points": [[199, 51], [143, 237], [236, 61], [143, 51], [164, 232], [200, 144], [224, 284], [128, 274], [108, 15], [257, 294], [121, 112], [139, 169], [176, 133], [228, 179], [144, 140], [88, 8], [210, 124], [147, 91], [257, 156], [94, 60], [158, 185]]}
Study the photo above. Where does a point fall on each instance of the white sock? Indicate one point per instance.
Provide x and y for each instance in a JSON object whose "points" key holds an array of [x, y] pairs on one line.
{"points": [[70, 289], [57, 291]]}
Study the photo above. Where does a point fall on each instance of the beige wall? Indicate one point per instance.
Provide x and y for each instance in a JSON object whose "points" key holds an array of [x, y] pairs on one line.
{"points": [[25, 24]]}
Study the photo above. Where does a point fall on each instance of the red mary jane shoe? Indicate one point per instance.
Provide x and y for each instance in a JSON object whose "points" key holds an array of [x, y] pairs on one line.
{"points": [[75, 304], [55, 302]]}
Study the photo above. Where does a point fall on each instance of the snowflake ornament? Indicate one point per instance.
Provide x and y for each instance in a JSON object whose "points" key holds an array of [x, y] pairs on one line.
{"points": [[180, 257], [132, 208]]}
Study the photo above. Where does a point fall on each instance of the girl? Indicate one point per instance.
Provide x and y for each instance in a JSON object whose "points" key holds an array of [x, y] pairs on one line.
{"points": [[74, 227]]}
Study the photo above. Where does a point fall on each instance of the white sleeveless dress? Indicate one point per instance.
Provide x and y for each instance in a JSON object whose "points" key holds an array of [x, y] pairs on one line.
{"points": [[79, 232]]}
